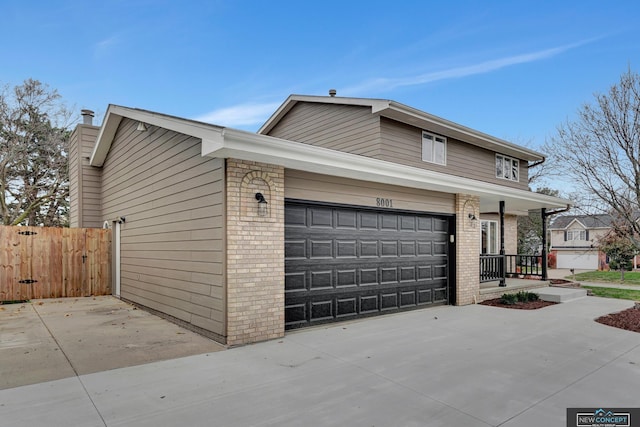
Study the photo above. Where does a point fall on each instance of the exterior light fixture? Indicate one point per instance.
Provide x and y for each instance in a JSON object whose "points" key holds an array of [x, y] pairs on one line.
{"points": [[473, 219], [141, 127], [262, 205]]}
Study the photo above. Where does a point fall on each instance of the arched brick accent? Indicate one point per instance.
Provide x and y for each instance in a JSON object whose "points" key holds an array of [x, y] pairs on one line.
{"points": [[253, 182]]}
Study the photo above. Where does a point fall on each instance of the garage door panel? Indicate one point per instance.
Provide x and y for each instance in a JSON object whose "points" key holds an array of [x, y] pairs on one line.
{"points": [[350, 262], [424, 224], [369, 248], [389, 222], [295, 249], [368, 276], [368, 220], [295, 281], [346, 278], [346, 219], [389, 248], [346, 248], [320, 218], [439, 248], [425, 296], [295, 216], [322, 310], [440, 225]]}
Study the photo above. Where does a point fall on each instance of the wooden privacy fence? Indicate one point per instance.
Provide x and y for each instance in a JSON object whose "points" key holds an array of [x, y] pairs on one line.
{"points": [[47, 262]]}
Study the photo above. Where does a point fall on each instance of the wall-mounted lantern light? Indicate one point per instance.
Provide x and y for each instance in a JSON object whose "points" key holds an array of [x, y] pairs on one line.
{"points": [[262, 205], [473, 219], [141, 127]]}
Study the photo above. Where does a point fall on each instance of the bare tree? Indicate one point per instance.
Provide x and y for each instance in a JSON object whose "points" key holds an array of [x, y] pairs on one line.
{"points": [[34, 179], [600, 152]]}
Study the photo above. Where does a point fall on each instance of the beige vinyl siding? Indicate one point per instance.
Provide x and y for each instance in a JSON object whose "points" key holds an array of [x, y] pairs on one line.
{"points": [[331, 189], [91, 179], [595, 234], [172, 242], [348, 128], [402, 143], [84, 180]]}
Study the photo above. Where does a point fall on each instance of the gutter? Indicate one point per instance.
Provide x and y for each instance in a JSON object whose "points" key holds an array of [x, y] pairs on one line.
{"points": [[533, 165]]}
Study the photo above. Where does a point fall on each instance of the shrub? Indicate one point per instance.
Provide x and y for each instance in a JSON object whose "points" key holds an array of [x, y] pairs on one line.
{"points": [[509, 299], [524, 296]]}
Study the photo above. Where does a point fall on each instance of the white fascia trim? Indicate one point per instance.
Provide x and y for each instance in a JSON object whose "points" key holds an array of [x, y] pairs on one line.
{"points": [[294, 155], [115, 113]]}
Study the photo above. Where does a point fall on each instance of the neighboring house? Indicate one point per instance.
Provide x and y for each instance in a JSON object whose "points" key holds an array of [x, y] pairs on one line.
{"points": [[574, 241], [338, 208]]}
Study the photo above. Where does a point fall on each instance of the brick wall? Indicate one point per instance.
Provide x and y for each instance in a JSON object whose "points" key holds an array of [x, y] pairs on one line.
{"points": [[467, 249], [255, 253]]}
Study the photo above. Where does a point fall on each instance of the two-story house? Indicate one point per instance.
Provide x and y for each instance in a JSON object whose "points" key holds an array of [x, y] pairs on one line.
{"points": [[574, 241], [338, 208]]}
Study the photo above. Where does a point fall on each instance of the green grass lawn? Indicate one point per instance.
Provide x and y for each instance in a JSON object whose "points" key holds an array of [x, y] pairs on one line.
{"points": [[614, 293], [630, 277]]}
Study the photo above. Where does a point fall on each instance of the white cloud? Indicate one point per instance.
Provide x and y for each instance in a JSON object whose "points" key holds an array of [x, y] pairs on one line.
{"points": [[103, 47], [240, 115], [386, 84]]}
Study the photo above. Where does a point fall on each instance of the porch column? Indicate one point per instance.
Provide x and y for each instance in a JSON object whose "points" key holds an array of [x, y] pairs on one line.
{"points": [[543, 215], [503, 260]]}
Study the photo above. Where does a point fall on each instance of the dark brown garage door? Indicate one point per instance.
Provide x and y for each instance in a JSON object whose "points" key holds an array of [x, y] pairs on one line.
{"points": [[347, 262]]}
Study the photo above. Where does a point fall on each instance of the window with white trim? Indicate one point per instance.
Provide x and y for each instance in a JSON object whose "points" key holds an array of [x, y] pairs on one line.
{"points": [[434, 148], [489, 237], [577, 235], [507, 168]]}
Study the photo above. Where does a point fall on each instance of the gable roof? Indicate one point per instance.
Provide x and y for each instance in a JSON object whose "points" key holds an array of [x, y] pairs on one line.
{"points": [[412, 116], [223, 142], [587, 221]]}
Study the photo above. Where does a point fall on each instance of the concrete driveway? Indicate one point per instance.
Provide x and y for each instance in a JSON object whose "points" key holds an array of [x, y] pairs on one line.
{"points": [[446, 366], [50, 339]]}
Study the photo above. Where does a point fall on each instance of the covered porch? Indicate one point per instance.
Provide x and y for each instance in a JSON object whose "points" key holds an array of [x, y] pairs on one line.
{"points": [[501, 272]]}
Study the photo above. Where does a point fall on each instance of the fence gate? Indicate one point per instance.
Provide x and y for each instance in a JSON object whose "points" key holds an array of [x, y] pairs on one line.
{"points": [[47, 262]]}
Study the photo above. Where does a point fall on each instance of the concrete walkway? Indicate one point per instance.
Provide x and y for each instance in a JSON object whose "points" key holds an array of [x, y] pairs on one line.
{"points": [[566, 274], [445, 366]]}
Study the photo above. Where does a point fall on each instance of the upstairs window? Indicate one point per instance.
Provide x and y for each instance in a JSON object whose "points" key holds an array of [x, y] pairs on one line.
{"points": [[577, 235], [507, 168], [434, 148]]}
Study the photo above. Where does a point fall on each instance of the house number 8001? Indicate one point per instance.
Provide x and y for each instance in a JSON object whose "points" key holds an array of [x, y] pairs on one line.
{"points": [[384, 203]]}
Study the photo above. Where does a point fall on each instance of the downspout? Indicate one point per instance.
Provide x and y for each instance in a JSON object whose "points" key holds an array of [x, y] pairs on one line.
{"points": [[545, 215]]}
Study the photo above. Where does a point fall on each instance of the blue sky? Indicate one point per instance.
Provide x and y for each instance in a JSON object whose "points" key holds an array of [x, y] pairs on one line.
{"points": [[512, 69]]}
